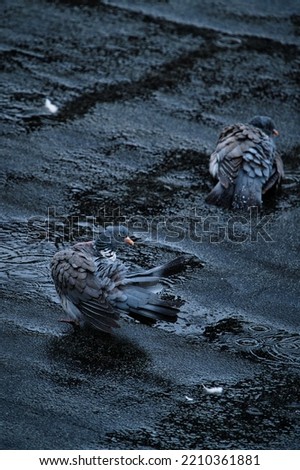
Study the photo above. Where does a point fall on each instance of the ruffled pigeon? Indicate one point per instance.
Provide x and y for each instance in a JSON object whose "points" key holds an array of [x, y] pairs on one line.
{"points": [[95, 287], [246, 163]]}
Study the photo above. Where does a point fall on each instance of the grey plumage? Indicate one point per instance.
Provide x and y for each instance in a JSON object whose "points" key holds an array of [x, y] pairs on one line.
{"points": [[96, 289], [246, 164]]}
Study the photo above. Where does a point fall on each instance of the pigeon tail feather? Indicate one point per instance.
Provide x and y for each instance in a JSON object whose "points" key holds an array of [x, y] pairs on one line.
{"points": [[156, 312], [248, 192], [221, 196], [153, 275], [141, 304], [174, 266]]}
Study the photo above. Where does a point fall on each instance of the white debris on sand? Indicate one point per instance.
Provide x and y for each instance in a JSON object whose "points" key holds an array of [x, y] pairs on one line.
{"points": [[51, 107], [189, 398], [213, 390]]}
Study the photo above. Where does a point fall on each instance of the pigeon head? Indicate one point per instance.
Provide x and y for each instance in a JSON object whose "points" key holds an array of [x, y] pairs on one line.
{"points": [[112, 237], [266, 124]]}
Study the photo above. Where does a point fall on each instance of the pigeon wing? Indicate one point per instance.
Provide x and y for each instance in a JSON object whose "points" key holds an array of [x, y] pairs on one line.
{"points": [[276, 175], [76, 277], [226, 160], [243, 147]]}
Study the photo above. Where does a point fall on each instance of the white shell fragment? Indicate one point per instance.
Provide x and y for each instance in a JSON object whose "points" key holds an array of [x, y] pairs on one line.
{"points": [[213, 390], [189, 398], [51, 107]]}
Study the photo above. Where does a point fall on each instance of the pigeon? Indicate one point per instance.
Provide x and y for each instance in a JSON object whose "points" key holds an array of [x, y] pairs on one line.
{"points": [[246, 164], [95, 287]]}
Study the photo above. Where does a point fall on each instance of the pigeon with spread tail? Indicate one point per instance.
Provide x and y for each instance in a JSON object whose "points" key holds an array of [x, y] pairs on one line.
{"points": [[95, 287]]}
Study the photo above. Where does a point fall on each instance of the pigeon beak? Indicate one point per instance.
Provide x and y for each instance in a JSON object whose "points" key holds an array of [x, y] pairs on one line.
{"points": [[128, 241], [275, 132]]}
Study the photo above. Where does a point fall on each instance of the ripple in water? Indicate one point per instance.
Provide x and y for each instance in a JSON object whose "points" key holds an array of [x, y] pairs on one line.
{"points": [[263, 343], [281, 347], [247, 343], [24, 266]]}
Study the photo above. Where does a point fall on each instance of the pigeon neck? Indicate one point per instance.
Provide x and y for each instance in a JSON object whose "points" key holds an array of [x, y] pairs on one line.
{"points": [[108, 254]]}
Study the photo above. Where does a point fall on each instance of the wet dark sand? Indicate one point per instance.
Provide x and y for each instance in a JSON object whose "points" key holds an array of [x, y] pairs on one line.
{"points": [[142, 93]]}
